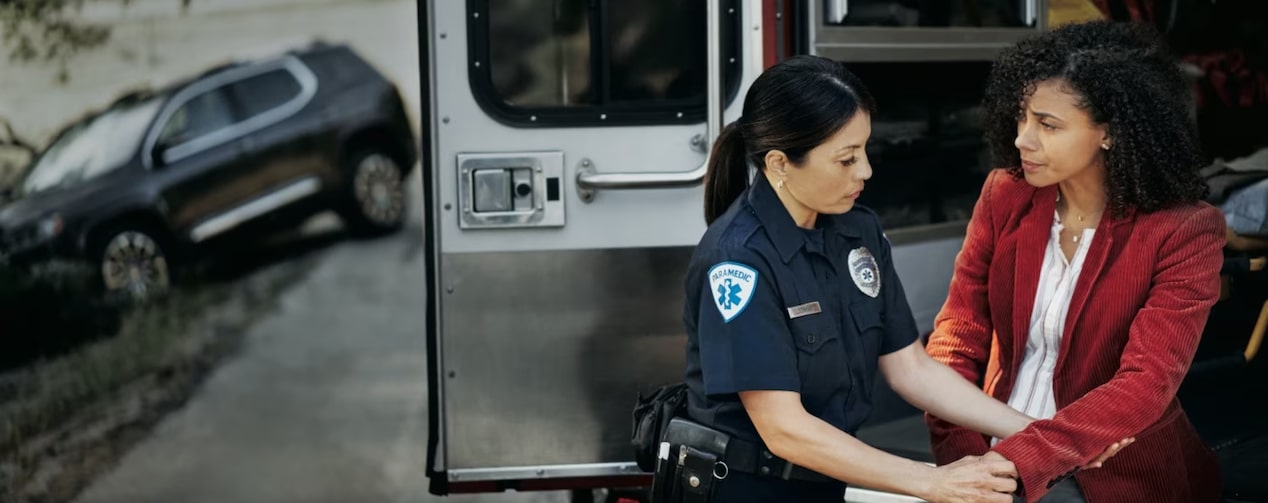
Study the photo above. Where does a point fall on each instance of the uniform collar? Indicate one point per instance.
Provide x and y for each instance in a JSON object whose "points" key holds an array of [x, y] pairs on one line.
{"points": [[787, 237]]}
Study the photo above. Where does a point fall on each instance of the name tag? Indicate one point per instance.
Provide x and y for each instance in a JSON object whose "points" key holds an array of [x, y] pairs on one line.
{"points": [[804, 309]]}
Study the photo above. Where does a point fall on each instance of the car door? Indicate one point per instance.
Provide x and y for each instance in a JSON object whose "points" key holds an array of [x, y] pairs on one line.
{"points": [[280, 146], [224, 153], [196, 156]]}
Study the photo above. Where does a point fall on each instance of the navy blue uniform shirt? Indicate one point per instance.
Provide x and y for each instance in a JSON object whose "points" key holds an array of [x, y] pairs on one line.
{"points": [[772, 306]]}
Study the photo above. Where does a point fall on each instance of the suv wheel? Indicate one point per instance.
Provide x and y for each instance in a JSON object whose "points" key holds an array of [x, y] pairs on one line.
{"points": [[377, 191], [133, 264]]}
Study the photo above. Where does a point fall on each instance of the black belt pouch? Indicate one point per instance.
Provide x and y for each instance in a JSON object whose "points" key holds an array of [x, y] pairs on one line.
{"points": [[696, 451], [695, 475]]}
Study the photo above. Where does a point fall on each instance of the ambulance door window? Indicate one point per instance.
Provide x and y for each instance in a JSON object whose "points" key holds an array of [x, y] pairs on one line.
{"points": [[595, 62], [657, 50], [539, 52]]}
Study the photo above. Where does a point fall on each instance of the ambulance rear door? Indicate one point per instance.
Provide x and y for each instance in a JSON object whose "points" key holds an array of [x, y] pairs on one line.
{"points": [[569, 143]]}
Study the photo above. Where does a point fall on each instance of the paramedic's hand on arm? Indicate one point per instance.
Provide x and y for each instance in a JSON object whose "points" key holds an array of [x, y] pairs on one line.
{"points": [[802, 439], [935, 388], [962, 332]]}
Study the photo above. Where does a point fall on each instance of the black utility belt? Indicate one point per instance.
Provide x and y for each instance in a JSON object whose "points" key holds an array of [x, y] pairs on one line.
{"points": [[704, 452]]}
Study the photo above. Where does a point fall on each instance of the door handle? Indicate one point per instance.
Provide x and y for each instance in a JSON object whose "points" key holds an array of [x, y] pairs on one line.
{"points": [[590, 181]]}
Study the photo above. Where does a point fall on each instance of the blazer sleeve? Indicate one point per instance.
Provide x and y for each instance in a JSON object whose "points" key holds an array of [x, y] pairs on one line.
{"points": [[1162, 340], [962, 331]]}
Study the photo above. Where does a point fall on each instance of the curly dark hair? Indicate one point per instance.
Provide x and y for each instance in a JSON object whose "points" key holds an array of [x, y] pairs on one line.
{"points": [[1126, 79]]}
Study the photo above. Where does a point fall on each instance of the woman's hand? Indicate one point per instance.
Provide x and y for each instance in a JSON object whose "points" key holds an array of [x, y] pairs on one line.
{"points": [[990, 479], [1109, 453]]}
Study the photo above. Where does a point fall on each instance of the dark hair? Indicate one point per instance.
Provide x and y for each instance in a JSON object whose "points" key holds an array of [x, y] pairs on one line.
{"points": [[793, 107], [1127, 80]]}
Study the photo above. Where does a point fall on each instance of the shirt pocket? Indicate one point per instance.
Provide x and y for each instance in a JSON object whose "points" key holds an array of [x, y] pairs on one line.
{"points": [[821, 360], [870, 324], [870, 332]]}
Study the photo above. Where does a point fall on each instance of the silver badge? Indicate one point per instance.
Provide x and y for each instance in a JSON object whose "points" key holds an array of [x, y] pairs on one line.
{"points": [[863, 269]]}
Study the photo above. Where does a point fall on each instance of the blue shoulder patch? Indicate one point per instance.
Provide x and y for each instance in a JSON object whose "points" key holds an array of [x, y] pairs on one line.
{"points": [[732, 284]]}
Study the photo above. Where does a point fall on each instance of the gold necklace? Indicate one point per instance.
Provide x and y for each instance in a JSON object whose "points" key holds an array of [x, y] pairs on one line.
{"points": [[1075, 235]]}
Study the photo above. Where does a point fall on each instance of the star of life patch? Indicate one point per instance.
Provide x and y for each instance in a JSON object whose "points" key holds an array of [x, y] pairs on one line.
{"points": [[864, 271], [732, 285]]}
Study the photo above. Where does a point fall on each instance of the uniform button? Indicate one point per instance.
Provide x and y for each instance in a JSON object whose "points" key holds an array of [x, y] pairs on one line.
{"points": [[767, 455], [810, 338], [766, 471]]}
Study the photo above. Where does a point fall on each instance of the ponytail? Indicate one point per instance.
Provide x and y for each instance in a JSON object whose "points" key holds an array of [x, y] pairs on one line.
{"points": [[727, 174]]}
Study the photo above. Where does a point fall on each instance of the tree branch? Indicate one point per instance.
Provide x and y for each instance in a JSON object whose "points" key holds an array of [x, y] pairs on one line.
{"points": [[44, 30], [12, 139]]}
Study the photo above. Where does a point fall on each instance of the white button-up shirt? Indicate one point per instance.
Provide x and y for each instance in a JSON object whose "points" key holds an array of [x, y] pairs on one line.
{"points": [[1032, 392]]}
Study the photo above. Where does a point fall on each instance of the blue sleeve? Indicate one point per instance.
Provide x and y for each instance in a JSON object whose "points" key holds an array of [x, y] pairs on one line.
{"points": [[745, 344], [900, 324]]}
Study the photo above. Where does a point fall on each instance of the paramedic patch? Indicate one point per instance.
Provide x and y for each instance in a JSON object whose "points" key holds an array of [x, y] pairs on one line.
{"points": [[864, 271], [732, 285]]}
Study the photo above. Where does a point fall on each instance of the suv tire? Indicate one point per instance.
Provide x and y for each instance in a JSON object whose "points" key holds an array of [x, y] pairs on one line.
{"points": [[375, 197], [132, 262]]}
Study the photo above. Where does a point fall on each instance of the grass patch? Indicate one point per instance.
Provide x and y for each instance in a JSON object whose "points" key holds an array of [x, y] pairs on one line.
{"points": [[151, 339], [66, 419]]}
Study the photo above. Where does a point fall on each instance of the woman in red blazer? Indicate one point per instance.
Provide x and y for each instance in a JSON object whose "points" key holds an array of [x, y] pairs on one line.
{"points": [[1088, 271]]}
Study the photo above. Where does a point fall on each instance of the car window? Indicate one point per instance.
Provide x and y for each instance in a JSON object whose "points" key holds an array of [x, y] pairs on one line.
{"points": [[201, 115], [266, 91], [92, 147]]}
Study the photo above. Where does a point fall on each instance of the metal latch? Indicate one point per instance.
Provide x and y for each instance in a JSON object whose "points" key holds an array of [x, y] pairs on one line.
{"points": [[520, 189]]}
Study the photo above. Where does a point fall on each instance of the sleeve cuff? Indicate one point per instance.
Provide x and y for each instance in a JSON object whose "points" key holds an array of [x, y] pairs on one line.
{"points": [[1035, 482], [766, 384]]}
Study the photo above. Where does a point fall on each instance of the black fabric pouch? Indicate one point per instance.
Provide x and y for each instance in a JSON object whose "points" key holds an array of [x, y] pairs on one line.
{"points": [[652, 414]]}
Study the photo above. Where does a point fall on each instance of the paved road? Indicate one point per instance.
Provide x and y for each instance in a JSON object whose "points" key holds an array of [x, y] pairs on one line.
{"points": [[326, 402]]}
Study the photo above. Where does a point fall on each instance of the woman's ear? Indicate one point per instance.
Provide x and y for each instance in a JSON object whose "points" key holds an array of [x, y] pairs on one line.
{"points": [[777, 163]]}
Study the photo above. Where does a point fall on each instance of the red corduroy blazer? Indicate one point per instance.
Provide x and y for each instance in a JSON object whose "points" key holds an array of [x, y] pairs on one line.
{"points": [[1139, 306]]}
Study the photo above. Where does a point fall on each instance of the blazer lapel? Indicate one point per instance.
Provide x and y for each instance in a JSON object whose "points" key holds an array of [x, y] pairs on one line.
{"points": [[1109, 232], [1032, 242]]}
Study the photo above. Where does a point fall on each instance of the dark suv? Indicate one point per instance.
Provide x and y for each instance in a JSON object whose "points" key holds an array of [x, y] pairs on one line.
{"points": [[249, 147]]}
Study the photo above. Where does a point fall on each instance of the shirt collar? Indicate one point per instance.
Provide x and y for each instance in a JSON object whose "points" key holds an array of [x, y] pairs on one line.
{"points": [[787, 237], [771, 212]]}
